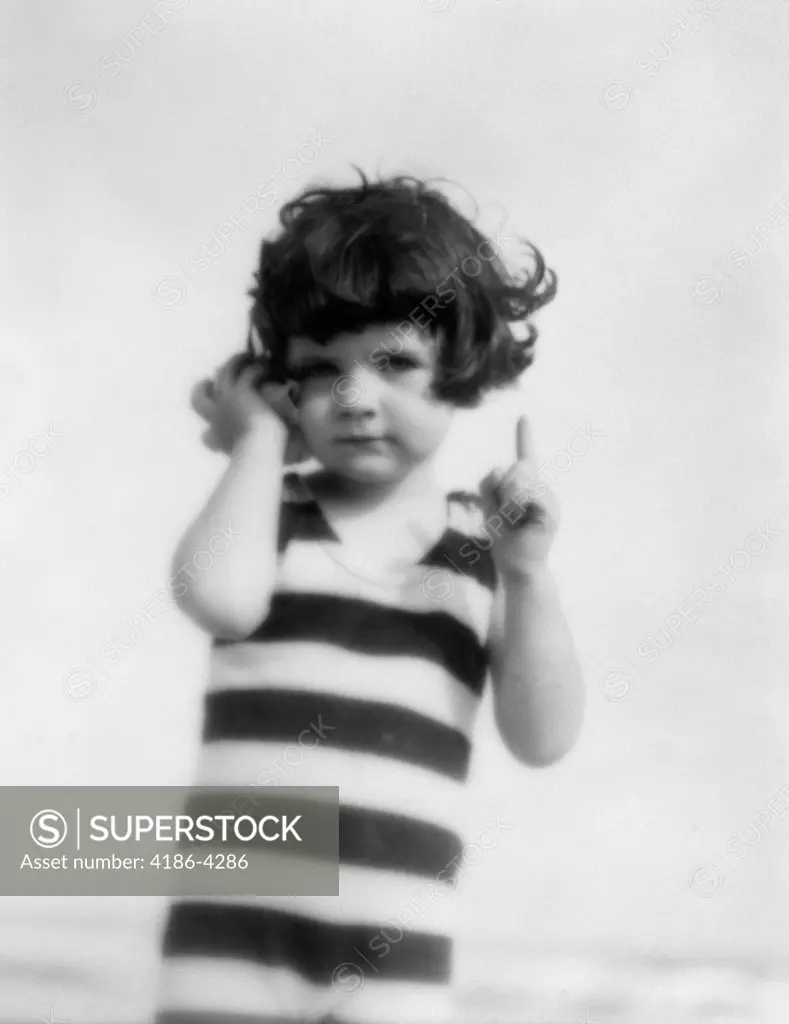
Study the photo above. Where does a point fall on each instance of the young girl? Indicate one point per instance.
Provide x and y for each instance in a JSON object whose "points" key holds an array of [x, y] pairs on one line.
{"points": [[360, 611]]}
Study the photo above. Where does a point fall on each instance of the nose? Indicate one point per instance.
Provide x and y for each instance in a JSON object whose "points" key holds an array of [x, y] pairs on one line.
{"points": [[356, 395]]}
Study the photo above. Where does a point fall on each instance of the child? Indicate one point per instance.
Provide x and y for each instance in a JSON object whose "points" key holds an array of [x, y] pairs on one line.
{"points": [[359, 610]]}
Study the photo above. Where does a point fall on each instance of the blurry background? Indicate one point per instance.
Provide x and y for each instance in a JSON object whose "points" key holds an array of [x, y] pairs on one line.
{"points": [[642, 146]]}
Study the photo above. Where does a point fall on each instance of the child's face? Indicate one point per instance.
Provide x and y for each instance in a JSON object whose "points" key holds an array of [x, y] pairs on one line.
{"points": [[365, 403]]}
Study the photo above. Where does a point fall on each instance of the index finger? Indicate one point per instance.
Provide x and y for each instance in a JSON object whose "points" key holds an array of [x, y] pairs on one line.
{"points": [[524, 448]]}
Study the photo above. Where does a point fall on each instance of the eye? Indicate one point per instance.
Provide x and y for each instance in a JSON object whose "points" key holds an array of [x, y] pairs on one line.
{"points": [[399, 364]]}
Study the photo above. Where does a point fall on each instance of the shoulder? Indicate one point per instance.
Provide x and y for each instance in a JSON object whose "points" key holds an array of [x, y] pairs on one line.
{"points": [[293, 489], [466, 544]]}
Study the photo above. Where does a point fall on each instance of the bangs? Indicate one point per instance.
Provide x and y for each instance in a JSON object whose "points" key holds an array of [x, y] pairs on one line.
{"points": [[390, 252], [346, 274]]}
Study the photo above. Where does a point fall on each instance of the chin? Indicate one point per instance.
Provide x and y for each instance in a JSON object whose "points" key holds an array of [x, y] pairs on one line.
{"points": [[367, 469]]}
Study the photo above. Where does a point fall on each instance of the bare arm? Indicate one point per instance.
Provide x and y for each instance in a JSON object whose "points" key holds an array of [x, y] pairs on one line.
{"points": [[226, 561], [228, 594], [537, 681]]}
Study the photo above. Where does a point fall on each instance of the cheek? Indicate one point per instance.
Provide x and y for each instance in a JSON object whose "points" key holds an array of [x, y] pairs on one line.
{"points": [[313, 410], [424, 420]]}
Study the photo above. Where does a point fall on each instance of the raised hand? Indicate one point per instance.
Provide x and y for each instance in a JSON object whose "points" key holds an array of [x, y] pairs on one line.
{"points": [[521, 514], [237, 398]]}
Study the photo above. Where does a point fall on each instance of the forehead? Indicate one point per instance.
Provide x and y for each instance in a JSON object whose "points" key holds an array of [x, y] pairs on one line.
{"points": [[392, 338]]}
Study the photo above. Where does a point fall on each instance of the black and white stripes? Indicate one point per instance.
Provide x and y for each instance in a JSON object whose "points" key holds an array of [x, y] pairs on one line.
{"points": [[372, 687]]}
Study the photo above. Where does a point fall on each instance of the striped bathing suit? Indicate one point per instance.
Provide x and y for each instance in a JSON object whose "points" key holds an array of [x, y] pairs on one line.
{"points": [[386, 675]]}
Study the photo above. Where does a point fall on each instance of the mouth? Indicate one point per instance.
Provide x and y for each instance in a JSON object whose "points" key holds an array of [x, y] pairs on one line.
{"points": [[360, 440]]}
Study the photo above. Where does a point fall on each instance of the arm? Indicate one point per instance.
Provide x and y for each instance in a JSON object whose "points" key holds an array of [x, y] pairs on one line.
{"points": [[538, 691], [230, 595], [537, 682]]}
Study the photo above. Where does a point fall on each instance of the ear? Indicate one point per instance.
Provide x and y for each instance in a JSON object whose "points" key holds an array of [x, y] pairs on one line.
{"points": [[279, 398], [296, 449]]}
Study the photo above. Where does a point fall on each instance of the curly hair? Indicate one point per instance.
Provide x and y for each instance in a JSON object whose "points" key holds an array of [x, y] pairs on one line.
{"points": [[386, 251]]}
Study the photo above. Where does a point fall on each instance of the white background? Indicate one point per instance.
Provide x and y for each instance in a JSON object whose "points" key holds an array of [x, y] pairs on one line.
{"points": [[119, 170]]}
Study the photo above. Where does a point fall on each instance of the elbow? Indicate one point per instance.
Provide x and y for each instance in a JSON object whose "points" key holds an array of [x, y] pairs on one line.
{"points": [[537, 755], [233, 630], [223, 619], [538, 747], [543, 757]]}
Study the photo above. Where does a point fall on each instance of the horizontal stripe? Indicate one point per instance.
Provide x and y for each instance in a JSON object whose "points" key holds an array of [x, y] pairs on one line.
{"points": [[266, 874], [364, 780], [313, 949], [318, 569], [368, 897], [424, 687], [365, 627], [368, 838], [369, 727], [317, 816], [396, 842], [192, 985], [199, 990], [382, 1001], [214, 1017]]}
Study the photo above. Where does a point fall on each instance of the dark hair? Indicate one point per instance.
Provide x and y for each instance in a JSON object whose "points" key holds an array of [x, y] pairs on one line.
{"points": [[378, 252]]}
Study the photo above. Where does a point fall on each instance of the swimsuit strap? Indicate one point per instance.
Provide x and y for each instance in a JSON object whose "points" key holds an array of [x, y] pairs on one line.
{"points": [[294, 488]]}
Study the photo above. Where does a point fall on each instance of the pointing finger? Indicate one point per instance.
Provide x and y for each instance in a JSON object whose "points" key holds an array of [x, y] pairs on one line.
{"points": [[523, 440]]}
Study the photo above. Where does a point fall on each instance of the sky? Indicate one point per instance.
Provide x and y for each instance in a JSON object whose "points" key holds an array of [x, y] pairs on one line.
{"points": [[642, 147]]}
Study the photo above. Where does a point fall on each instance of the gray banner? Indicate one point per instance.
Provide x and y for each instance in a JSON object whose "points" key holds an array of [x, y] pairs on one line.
{"points": [[169, 840]]}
